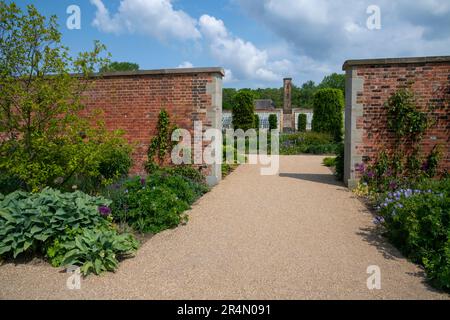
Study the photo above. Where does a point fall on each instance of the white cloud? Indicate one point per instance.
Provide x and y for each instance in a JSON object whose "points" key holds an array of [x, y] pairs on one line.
{"points": [[156, 18], [333, 31], [229, 78], [244, 59], [185, 64]]}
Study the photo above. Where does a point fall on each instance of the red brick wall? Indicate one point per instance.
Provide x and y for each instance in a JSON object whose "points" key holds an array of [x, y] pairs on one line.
{"points": [[431, 84], [132, 103]]}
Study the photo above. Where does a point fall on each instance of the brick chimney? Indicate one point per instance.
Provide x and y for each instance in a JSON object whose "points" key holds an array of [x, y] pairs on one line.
{"points": [[287, 103]]}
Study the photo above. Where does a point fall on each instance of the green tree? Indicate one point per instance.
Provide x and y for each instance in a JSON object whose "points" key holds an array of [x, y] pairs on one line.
{"points": [[43, 141], [334, 81], [227, 98], [243, 110], [120, 66], [307, 92], [328, 112]]}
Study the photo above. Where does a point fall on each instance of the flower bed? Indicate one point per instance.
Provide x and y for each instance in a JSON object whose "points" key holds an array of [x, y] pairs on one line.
{"points": [[416, 219]]}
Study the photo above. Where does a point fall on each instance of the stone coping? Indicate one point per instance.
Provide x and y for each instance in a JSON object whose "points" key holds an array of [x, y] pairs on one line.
{"points": [[217, 70], [390, 61]]}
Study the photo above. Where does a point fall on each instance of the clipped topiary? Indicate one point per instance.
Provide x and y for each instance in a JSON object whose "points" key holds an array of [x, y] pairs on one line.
{"points": [[243, 110], [328, 113], [273, 122], [302, 119], [257, 122]]}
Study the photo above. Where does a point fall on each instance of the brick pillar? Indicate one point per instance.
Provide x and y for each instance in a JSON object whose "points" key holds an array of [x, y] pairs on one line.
{"points": [[288, 123], [287, 102]]}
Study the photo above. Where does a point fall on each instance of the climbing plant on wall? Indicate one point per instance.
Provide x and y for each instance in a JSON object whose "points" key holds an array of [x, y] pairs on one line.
{"points": [[408, 125], [161, 143]]}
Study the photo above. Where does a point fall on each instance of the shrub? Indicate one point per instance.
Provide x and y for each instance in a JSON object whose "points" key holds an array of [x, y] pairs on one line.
{"points": [[243, 110], [339, 162], [307, 142], [44, 140], [417, 221], [10, 183], [257, 122], [98, 250], [329, 162], [116, 162], [158, 202], [31, 222], [273, 122], [302, 120], [328, 112], [188, 172]]}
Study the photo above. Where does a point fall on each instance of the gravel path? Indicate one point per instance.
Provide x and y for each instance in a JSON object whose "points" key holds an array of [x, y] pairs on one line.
{"points": [[299, 235]]}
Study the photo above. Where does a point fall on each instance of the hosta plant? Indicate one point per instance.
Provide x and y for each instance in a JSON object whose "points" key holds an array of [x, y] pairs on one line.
{"points": [[31, 221], [97, 251]]}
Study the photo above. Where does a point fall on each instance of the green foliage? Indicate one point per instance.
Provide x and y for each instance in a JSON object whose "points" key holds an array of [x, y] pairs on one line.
{"points": [[406, 164], [307, 92], [243, 110], [273, 122], [307, 142], [333, 81], [10, 183], [403, 117], [98, 251], [329, 162], [257, 122], [120, 66], [30, 222], [431, 165], [302, 121], [161, 143], [157, 203], [188, 172], [417, 221], [227, 98], [328, 113], [115, 162], [339, 162], [43, 140]]}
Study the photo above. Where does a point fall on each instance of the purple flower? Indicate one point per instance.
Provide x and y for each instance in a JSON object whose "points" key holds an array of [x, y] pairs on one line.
{"points": [[393, 185], [360, 167], [370, 174], [104, 211], [378, 220], [143, 181], [425, 166]]}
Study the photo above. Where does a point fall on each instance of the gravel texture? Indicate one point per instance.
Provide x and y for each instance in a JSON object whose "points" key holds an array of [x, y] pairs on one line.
{"points": [[299, 235]]}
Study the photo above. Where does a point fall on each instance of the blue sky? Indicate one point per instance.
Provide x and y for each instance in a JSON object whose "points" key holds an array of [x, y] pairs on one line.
{"points": [[258, 42]]}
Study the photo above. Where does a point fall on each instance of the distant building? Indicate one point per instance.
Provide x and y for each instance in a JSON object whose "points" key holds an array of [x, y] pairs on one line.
{"points": [[264, 104], [287, 116]]}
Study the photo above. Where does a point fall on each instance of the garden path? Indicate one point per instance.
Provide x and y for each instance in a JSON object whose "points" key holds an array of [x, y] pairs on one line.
{"points": [[299, 235]]}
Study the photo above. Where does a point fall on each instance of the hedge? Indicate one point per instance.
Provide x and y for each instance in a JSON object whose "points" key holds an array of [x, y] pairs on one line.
{"points": [[328, 113]]}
